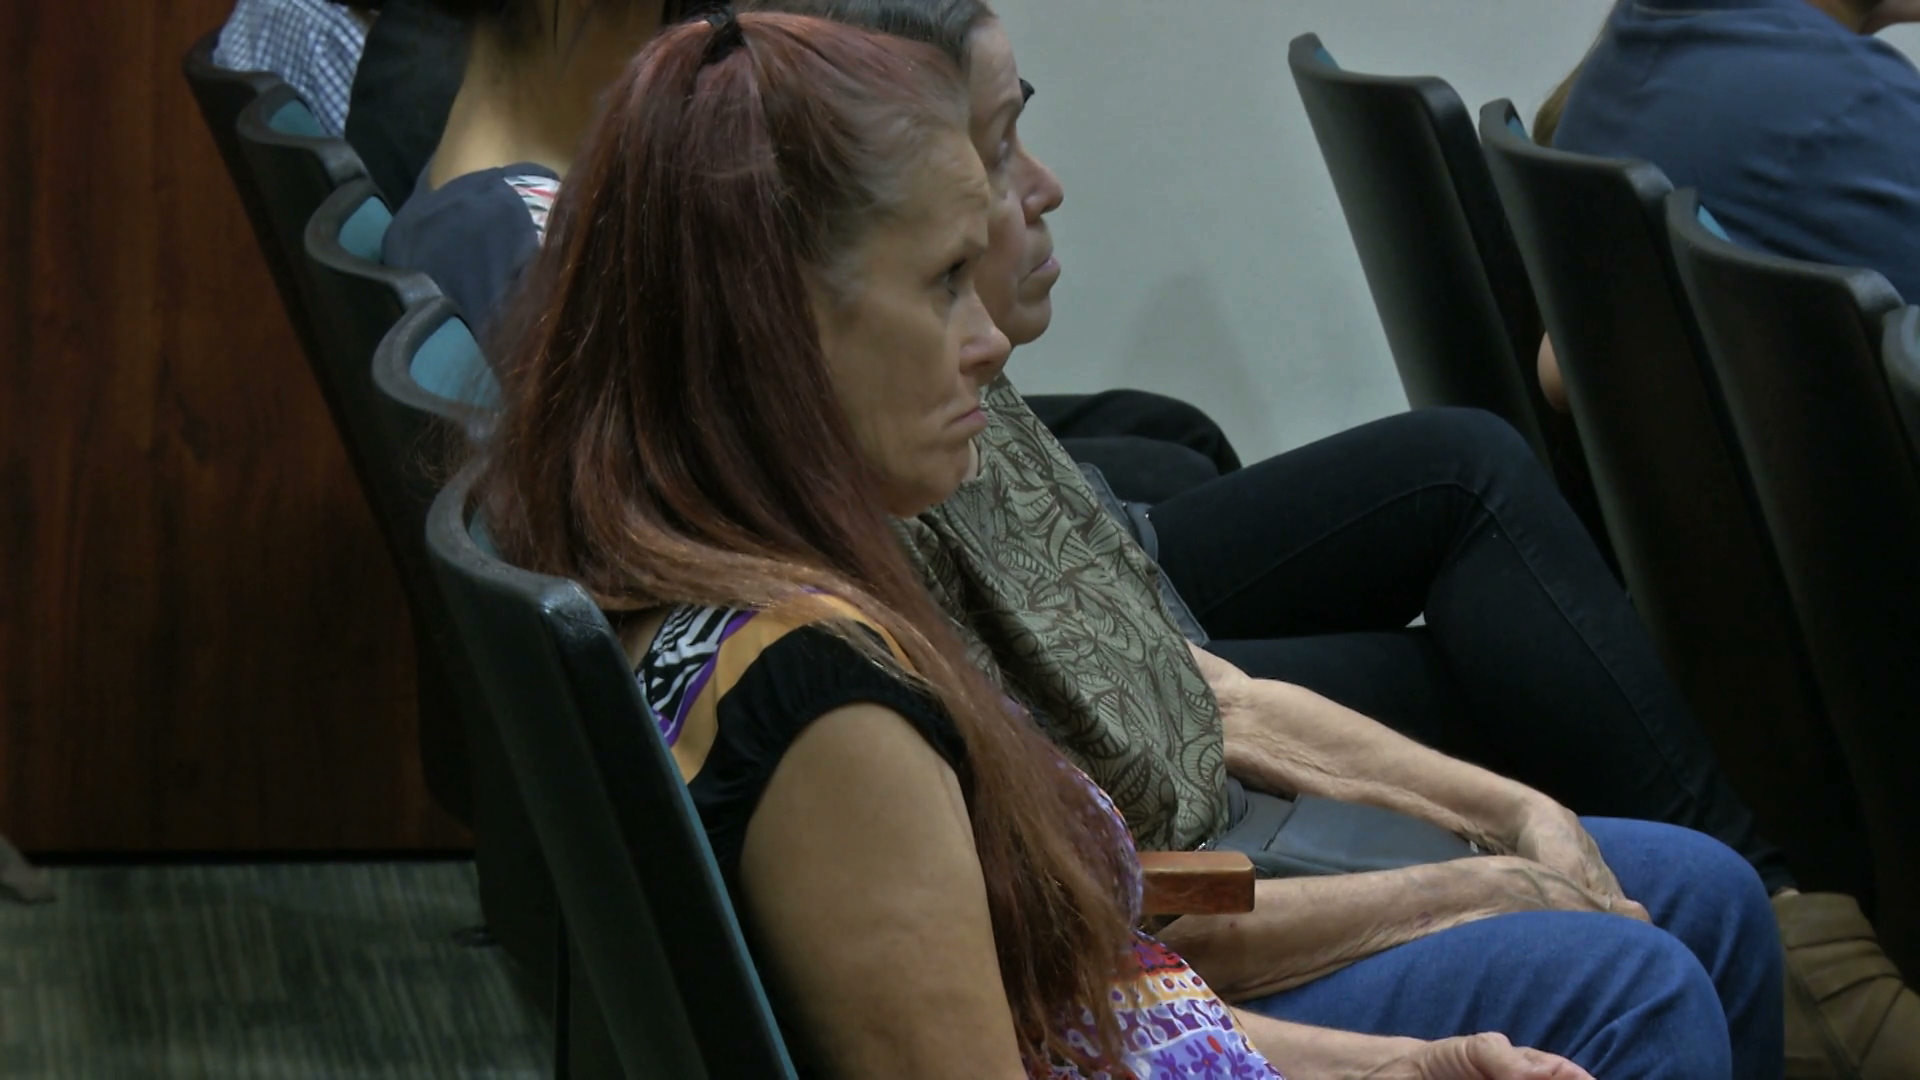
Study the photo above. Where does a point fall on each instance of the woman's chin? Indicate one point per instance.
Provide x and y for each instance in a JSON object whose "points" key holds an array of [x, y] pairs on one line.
{"points": [[1028, 321]]}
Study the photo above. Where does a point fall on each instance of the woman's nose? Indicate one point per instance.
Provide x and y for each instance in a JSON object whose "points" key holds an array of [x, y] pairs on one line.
{"points": [[1045, 194], [984, 351]]}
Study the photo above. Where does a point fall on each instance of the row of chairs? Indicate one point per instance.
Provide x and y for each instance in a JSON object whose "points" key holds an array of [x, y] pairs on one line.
{"points": [[1741, 416], [402, 378], [570, 789], [532, 694]]}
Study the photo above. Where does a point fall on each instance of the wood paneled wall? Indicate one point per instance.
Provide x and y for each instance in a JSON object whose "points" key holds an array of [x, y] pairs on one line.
{"points": [[202, 642]]}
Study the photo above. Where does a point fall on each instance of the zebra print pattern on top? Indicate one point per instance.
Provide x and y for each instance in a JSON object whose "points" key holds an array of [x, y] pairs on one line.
{"points": [[680, 661]]}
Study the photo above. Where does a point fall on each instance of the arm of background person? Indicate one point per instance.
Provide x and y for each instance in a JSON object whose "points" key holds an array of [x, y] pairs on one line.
{"points": [[859, 856]]}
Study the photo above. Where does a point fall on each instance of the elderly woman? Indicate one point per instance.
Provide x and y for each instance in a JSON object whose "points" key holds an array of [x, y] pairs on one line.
{"points": [[753, 337], [1308, 568]]}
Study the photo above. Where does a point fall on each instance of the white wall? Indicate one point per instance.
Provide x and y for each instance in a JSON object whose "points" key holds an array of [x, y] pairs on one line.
{"points": [[1204, 250]]}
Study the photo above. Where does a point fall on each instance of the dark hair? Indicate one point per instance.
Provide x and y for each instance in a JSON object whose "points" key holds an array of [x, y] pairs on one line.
{"points": [[943, 24], [672, 434]]}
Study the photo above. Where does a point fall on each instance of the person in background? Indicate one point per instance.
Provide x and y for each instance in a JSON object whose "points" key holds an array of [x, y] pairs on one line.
{"points": [[533, 76], [314, 45], [1802, 133], [1314, 562], [532, 71], [1800, 129], [409, 72]]}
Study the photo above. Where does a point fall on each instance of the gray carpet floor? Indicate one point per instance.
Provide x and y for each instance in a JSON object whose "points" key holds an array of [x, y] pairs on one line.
{"points": [[276, 971]]}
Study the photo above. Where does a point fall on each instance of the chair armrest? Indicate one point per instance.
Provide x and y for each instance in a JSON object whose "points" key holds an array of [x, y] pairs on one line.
{"points": [[1196, 883]]}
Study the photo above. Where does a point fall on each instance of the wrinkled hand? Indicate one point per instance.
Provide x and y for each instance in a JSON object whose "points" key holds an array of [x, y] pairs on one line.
{"points": [[1552, 836], [1507, 884], [1478, 1057]]}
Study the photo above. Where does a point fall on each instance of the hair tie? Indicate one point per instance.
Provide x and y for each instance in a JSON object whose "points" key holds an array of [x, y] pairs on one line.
{"points": [[726, 36]]}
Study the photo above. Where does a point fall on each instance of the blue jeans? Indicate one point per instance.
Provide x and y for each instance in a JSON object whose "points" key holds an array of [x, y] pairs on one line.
{"points": [[1696, 996]]}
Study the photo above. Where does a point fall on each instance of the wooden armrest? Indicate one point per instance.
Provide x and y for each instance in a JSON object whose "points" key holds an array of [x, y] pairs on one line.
{"points": [[1196, 882]]}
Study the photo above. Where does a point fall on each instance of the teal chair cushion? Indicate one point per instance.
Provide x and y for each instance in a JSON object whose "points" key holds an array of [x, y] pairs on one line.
{"points": [[294, 118], [365, 230], [450, 364], [1712, 225]]}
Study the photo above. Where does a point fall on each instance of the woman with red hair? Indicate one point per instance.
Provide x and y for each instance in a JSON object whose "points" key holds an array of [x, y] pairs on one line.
{"points": [[752, 340]]}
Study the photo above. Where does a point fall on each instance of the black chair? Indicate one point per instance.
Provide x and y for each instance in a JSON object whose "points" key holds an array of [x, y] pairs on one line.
{"points": [[1901, 350], [1674, 489], [382, 330], [297, 170], [646, 910], [1797, 350], [430, 385], [222, 96], [1452, 294], [653, 967]]}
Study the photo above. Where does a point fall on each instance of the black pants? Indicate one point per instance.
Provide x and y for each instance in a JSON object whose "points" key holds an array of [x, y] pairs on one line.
{"points": [[1148, 446], [410, 71], [1308, 567]]}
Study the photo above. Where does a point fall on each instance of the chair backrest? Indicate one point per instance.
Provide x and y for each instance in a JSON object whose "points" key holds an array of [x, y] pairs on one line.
{"points": [[1452, 293], [430, 362], [421, 369], [222, 96], [1796, 347], [1900, 349], [356, 301], [293, 168], [1673, 486], [643, 899], [222, 93]]}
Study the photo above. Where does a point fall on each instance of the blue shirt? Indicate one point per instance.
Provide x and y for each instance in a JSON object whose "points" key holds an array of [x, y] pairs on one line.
{"points": [[474, 235], [313, 45], [1802, 136]]}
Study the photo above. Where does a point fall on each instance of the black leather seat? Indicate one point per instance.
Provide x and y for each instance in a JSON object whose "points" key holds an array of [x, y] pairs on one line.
{"points": [[1674, 489], [1452, 293], [655, 944], [1453, 297], [298, 171], [1797, 348], [1900, 348], [430, 385], [291, 165]]}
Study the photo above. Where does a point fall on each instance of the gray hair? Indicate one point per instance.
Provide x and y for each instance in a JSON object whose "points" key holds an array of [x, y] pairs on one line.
{"points": [[943, 24]]}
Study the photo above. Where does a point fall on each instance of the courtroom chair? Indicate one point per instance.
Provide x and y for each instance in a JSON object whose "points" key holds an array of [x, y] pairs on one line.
{"points": [[376, 323], [297, 170], [1674, 489], [1796, 348], [293, 168], [433, 387], [222, 96], [356, 301], [431, 362], [1452, 294], [1900, 349], [647, 919], [1447, 281]]}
